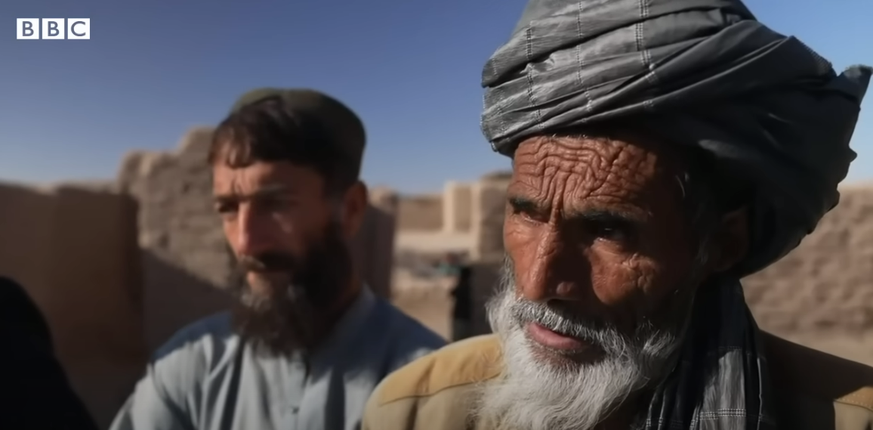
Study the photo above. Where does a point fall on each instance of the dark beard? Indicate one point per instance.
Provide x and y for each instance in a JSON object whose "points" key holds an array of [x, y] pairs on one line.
{"points": [[291, 317]]}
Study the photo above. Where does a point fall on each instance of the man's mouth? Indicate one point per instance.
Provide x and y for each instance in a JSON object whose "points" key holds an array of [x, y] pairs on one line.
{"points": [[266, 280], [555, 341]]}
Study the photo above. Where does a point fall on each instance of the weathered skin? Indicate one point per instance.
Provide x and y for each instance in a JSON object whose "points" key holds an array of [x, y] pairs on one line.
{"points": [[598, 225]]}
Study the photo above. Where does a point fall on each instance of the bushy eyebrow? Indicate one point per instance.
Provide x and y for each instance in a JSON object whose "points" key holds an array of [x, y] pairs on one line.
{"points": [[265, 191], [592, 215], [522, 204], [606, 217]]}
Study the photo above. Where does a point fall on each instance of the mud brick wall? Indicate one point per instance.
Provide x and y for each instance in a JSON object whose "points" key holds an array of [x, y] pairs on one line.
{"points": [[420, 212], [826, 284], [74, 249], [187, 264], [488, 202]]}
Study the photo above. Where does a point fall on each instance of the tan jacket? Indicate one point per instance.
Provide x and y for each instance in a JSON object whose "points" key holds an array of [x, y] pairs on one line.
{"points": [[812, 390]]}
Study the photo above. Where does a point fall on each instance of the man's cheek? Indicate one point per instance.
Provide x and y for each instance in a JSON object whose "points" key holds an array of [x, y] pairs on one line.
{"points": [[655, 290], [513, 235], [612, 278]]}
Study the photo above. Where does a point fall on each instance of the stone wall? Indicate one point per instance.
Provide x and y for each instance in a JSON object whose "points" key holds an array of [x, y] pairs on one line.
{"points": [[187, 264], [826, 284], [420, 213], [457, 207], [469, 213], [487, 212]]}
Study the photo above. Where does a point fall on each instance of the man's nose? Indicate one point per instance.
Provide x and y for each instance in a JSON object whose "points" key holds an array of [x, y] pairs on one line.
{"points": [[555, 270], [252, 232]]}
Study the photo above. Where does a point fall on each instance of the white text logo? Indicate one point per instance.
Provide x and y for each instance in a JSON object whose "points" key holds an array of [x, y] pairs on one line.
{"points": [[53, 28]]}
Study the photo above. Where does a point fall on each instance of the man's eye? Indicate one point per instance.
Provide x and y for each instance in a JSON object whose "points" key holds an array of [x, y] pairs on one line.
{"points": [[227, 212], [523, 215], [528, 217], [526, 214], [614, 232], [225, 209]]}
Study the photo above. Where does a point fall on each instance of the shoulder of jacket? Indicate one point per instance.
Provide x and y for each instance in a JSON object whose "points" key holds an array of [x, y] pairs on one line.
{"points": [[862, 397], [818, 375], [466, 362]]}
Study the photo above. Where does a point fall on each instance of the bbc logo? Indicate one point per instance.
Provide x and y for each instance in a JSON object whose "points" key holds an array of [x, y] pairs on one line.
{"points": [[53, 28]]}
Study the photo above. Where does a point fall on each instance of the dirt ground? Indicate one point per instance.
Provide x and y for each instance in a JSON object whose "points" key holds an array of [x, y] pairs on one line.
{"points": [[432, 307]]}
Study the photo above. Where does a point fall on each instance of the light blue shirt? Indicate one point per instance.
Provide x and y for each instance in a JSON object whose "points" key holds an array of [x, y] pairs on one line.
{"points": [[207, 378]]}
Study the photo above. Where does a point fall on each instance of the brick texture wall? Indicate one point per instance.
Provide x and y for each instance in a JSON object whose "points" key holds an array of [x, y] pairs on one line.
{"points": [[826, 283], [186, 262]]}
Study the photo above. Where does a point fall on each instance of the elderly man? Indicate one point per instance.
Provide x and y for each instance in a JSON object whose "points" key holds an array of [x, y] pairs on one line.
{"points": [[661, 150], [309, 341]]}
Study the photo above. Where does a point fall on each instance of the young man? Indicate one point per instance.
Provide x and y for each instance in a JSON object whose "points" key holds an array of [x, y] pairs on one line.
{"points": [[308, 341]]}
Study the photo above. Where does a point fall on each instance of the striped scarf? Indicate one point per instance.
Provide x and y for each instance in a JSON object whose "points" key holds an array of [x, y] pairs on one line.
{"points": [[721, 380]]}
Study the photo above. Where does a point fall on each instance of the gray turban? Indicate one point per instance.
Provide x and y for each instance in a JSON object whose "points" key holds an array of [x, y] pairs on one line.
{"points": [[701, 73]]}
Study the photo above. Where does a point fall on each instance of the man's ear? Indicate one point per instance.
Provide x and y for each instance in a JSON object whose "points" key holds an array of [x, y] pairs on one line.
{"points": [[355, 204], [731, 240]]}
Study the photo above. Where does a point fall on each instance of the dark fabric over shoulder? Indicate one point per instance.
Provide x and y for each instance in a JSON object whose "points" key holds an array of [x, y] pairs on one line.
{"points": [[34, 391], [700, 73]]}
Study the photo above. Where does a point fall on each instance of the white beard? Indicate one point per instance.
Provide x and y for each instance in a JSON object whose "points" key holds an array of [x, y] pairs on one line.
{"points": [[535, 393]]}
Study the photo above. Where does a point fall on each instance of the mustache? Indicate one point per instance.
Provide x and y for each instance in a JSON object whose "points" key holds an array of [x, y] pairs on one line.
{"points": [[558, 320], [551, 316], [268, 261]]}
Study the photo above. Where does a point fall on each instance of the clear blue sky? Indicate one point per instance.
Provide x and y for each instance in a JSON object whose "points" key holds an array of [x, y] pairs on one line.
{"points": [[411, 69]]}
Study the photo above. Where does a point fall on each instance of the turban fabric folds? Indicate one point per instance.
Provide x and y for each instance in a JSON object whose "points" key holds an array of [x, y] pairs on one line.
{"points": [[701, 73]]}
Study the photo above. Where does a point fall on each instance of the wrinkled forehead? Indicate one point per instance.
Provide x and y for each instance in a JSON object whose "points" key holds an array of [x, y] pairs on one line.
{"points": [[581, 170]]}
